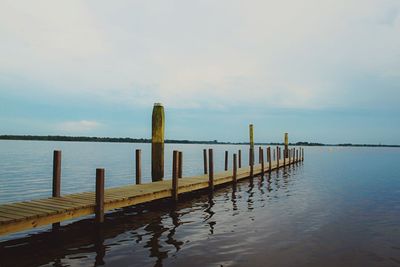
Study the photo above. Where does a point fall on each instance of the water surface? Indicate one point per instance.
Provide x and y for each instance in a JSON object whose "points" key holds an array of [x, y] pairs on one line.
{"points": [[340, 207]]}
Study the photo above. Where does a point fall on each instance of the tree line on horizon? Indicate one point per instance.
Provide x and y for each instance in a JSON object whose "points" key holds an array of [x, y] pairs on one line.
{"points": [[168, 141]]}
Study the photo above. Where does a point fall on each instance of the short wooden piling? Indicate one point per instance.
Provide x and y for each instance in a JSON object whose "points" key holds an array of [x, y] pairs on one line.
{"points": [[226, 160], [269, 159], [56, 173], [180, 162], [274, 155], [138, 161], [289, 153], [259, 155], [261, 151], [99, 195], [234, 172], [240, 158], [302, 154], [157, 143], [285, 153], [277, 157], [205, 160], [175, 174], [211, 169]]}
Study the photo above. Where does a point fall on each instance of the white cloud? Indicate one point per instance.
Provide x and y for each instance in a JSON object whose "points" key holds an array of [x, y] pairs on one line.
{"points": [[194, 54], [77, 127]]}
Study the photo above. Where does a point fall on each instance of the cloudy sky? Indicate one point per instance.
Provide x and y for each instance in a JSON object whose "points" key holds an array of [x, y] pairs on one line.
{"points": [[325, 71]]}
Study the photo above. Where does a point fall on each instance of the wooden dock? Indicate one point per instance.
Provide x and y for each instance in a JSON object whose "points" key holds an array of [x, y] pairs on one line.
{"points": [[25, 215]]}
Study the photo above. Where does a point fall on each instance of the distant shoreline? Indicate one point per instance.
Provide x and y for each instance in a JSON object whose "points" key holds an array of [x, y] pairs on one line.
{"points": [[143, 140]]}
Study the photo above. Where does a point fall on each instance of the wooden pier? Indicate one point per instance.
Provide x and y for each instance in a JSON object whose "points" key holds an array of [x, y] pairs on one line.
{"points": [[25, 215]]}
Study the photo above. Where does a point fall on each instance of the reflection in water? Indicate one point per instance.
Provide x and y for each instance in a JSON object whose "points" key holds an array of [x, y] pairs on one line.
{"points": [[153, 227], [209, 212], [273, 216]]}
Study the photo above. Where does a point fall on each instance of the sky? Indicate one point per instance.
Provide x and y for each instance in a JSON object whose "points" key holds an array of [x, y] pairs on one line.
{"points": [[324, 71]]}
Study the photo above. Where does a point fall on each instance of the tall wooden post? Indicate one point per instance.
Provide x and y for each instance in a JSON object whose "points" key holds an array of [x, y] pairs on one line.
{"points": [[240, 158], [211, 169], [251, 154], [157, 143], [56, 173], [138, 160], [269, 159], [175, 174], [274, 154], [302, 154], [234, 164], [205, 160], [285, 153], [99, 195], [180, 161], [297, 155], [226, 160]]}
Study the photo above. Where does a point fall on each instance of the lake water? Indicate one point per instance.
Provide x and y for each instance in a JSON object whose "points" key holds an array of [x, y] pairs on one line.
{"points": [[340, 207]]}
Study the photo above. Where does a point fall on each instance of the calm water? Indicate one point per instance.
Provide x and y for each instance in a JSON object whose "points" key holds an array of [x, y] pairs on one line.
{"points": [[340, 207]]}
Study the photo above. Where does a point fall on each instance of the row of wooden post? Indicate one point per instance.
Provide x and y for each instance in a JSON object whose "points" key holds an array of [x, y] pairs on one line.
{"points": [[177, 170]]}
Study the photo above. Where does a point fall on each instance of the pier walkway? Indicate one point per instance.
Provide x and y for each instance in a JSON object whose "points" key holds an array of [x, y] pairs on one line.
{"points": [[25, 215]]}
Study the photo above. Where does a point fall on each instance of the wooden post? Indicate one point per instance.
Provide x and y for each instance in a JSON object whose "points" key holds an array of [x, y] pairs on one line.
{"points": [[261, 151], [289, 155], [285, 154], [138, 166], [286, 151], [274, 154], [157, 143], [205, 160], [175, 174], [302, 154], [251, 152], [251, 155], [180, 161], [226, 160], [297, 155], [269, 159], [277, 157], [259, 155], [99, 195], [211, 169], [56, 173], [240, 159], [234, 164]]}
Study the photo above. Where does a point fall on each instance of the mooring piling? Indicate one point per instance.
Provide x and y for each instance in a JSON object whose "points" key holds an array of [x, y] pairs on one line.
{"points": [[211, 169], [205, 160], [56, 173], [261, 151], [138, 165], [157, 143], [175, 174], [99, 209], [226, 160], [277, 157], [234, 171], [286, 145], [180, 162], [251, 151], [240, 158], [269, 159]]}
